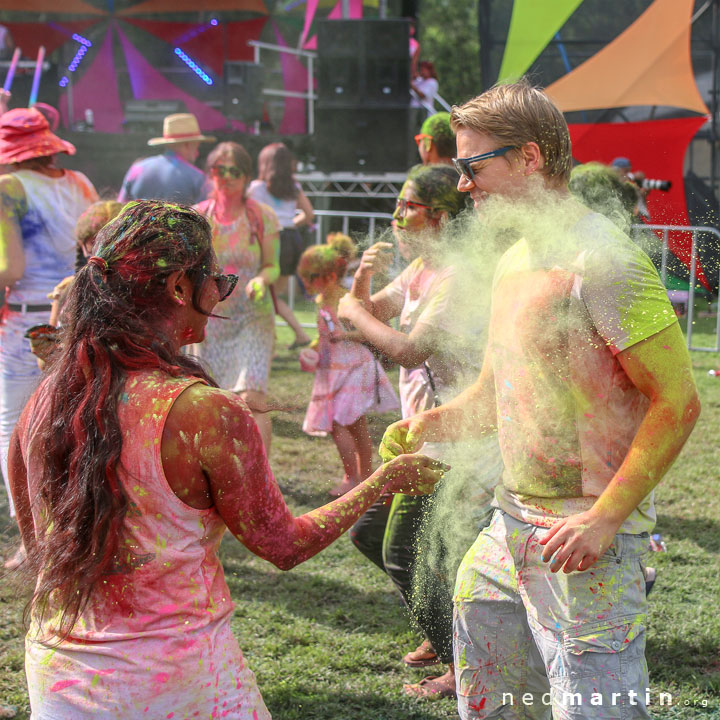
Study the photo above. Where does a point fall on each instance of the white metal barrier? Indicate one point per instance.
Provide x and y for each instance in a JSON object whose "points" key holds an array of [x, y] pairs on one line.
{"points": [[694, 230]]}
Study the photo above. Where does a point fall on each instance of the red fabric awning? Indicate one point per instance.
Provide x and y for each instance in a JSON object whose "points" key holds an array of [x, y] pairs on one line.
{"points": [[657, 148]]}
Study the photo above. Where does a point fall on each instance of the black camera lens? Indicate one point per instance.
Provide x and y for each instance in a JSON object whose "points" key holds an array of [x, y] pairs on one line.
{"points": [[649, 184]]}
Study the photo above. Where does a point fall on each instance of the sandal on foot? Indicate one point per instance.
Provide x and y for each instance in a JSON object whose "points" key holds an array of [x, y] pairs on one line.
{"points": [[296, 344], [424, 655], [432, 687]]}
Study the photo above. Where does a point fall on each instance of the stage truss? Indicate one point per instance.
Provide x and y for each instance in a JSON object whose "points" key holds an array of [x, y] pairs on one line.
{"points": [[351, 185]]}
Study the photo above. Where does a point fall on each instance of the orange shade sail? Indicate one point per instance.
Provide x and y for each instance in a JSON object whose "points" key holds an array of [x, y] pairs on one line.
{"points": [[648, 64]]}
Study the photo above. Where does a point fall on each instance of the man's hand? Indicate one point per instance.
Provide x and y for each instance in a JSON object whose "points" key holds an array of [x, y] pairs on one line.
{"points": [[404, 436], [578, 541]]}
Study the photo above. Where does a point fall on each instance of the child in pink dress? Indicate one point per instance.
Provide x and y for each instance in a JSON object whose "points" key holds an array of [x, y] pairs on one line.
{"points": [[349, 381]]}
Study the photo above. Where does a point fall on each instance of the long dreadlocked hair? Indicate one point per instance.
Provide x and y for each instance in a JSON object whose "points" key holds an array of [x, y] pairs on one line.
{"points": [[110, 330]]}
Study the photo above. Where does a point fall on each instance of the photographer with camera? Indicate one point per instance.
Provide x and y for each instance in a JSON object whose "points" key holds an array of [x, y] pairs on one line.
{"points": [[643, 185]]}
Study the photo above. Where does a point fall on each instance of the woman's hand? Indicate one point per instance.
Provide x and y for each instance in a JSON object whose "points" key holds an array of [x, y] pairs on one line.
{"points": [[377, 258], [348, 306], [412, 474], [256, 288], [4, 100], [404, 436]]}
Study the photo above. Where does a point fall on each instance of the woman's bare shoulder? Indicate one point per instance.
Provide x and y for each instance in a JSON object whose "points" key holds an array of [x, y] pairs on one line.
{"points": [[201, 407]]}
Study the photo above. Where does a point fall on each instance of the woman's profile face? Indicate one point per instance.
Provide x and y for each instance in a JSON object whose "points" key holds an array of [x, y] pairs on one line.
{"points": [[412, 215], [207, 299]]}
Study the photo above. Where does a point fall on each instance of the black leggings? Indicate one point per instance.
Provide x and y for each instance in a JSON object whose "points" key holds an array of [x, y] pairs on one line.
{"points": [[387, 534]]}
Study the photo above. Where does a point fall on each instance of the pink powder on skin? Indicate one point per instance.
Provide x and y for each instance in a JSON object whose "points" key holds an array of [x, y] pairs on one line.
{"points": [[62, 684]]}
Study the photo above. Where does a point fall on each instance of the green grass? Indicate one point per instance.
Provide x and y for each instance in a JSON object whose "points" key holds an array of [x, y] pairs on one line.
{"points": [[326, 640]]}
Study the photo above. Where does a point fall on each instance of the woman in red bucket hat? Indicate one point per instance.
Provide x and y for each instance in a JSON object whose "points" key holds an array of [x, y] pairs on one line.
{"points": [[39, 206]]}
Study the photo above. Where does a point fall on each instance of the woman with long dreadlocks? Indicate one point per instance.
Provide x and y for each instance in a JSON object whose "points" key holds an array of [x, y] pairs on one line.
{"points": [[126, 467]]}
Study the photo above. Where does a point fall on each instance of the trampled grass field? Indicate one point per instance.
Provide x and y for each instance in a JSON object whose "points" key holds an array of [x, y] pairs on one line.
{"points": [[326, 639]]}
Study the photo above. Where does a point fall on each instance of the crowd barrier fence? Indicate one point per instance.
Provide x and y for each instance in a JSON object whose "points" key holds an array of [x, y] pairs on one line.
{"points": [[694, 230], [321, 230]]}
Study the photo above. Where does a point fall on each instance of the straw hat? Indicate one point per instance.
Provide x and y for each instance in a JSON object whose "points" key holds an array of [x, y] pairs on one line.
{"points": [[25, 134], [178, 128]]}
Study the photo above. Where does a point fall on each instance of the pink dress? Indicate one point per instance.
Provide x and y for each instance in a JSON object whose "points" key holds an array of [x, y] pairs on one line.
{"points": [[154, 640], [349, 381]]}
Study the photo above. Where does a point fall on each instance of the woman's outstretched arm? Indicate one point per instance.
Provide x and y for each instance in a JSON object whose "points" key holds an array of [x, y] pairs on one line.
{"points": [[210, 434]]}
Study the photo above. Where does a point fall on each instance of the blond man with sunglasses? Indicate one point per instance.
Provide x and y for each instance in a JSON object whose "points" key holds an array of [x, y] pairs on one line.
{"points": [[588, 383]]}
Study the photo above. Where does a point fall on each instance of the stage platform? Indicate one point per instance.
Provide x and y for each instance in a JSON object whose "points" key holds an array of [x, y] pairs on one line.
{"points": [[105, 158]]}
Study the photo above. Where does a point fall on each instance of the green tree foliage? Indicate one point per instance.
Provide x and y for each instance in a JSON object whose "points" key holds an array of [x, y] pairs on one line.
{"points": [[448, 35]]}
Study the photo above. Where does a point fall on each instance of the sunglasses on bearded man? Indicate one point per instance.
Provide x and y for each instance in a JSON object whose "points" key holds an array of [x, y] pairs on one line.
{"points": [[464, 165]]}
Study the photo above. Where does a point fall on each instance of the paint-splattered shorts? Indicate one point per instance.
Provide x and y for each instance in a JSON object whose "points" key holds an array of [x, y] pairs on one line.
{"points": [[528, 643]]}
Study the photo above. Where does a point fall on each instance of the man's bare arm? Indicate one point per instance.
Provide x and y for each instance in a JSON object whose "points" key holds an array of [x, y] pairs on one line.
{"points": [[660, 368]]}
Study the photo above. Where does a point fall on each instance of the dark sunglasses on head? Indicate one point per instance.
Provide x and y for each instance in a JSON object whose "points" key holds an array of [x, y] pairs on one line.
{"points": [[464, 165], [402, 205], [225, 284], [225, 170]]}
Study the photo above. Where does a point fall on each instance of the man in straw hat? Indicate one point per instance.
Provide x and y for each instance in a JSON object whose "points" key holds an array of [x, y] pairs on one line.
{"points": [[40, 206], [171, 176]]}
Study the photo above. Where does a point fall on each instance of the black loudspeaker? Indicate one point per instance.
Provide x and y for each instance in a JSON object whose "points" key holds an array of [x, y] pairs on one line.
{"points": [[363, 62], [146, 116], [362, 119], [243, 83], [372, 140]]}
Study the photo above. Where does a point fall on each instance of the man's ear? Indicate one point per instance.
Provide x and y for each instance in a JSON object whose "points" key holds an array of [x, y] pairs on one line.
{"points": [[531, 158], [177, 286]]}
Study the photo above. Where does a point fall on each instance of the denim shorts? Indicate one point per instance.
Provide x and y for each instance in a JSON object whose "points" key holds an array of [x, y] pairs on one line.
{"points": [[530, 644]]}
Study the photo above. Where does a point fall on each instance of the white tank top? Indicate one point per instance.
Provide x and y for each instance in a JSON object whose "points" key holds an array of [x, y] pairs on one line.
{"points": [[48, 231], [284, 209]]}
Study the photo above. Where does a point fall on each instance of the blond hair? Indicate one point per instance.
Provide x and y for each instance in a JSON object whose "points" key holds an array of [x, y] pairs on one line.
{"points": [[516, 114], [332, 257]]}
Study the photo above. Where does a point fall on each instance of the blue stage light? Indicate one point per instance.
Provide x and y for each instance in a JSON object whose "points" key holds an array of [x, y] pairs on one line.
{"points": [[194, 32], [193, 66], [80, 54], [82, 40]]}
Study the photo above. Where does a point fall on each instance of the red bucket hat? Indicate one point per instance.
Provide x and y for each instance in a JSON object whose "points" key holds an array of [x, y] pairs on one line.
{"points": [[25, 134]]}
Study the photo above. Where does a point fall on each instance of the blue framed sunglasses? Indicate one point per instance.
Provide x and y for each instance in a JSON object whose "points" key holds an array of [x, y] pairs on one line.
{"points": [[464, 165]]}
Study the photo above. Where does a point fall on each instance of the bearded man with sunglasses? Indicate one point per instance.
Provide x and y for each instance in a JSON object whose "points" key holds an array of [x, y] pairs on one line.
{"points": [[588, 383], [171, 176]]}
